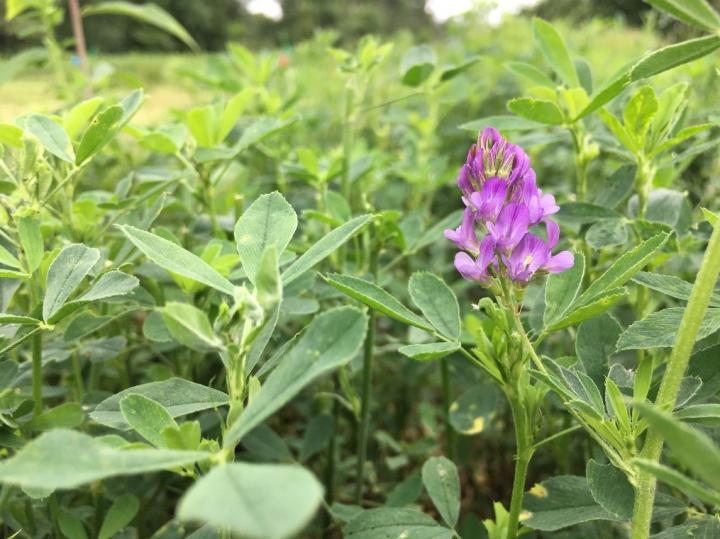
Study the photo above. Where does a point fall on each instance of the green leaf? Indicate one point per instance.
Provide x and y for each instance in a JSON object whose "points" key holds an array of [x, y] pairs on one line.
{"points": [[71, 526], [553, 48], [175, 259], [376, 298], [64, 459], [595, 343], [429, 351], [437, 302], [31, 241], [692, 448], [317, 434], [65, 274], [269, 220], [6, 318], [451, 71], [257, 501], [561, 290], [99, 133], [472, 412], [610, 488], [442, 483], [51, 136], [705, 414], [190, 327], [120, 514], [607, 233], [149, 13], [562, 501], [670, 286], [233, 110], [606, 94], [673, 56], [178, 396], [582, 213], [659, 329], [623, 269], [537, 110], [203, 125], [679, 481], [395, 522], [75, 120], [10, 135], [580, 312], [324, 247], [617, 187], [417, 65], [65, 416], [332, 340], [268, 285], [112, 284], [531, 73], [639, 112], [694, 12], [146, 417]]}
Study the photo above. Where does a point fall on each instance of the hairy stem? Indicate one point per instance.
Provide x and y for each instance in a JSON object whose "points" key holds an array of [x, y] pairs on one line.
{"points": [[674, 372], [524, 451]]}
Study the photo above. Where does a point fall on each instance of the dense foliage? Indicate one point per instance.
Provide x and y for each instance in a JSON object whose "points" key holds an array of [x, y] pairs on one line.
{"points": [[464, 289]]}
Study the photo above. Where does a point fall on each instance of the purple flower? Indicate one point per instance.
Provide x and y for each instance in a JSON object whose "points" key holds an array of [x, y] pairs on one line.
{"points": [[477, 270], [502, 200], [512, 224], [489, 201], [464, 236]]}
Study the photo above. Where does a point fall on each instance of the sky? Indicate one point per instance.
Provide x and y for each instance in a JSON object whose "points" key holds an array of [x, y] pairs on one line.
{"points": [[441, 10]]}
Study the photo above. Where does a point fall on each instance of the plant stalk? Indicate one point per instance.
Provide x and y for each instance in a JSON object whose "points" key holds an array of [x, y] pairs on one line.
{"points": [[670, 384], [365, 409], [450, 437], [524, 449]]}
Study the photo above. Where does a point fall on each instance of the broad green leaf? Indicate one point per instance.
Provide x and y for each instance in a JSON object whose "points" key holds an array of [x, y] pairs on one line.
{"points": [[269, 220], [619, 131], [453, 70], [257, 501], [681, 136], [317, 434], [71, 526], [562, 501], [623, 269], [670, 285], [553, 48], [146, 417], [617, 187], [268, 285], [639, 112], [395, 522], [472, 412], [442, 483], [31, 241], [6, 318], [437, 302], [332, 340], [611, 489], [65, 274], [692, 448], [99, 133], [705, 414], [580, 312], [561, 290], [417, 65], [112, 284], [607, 93], [190, 327], [607, 233], [65, 416], [595, 343], [203, 125], [120, 514], [51, 136], [232, 112], [149, 13], [75, 120], [582, 213], [175, 259], [673, 56], [659, 329], [429, 351], [537, 110], [11, 135], [679, 481], [65, 459], [376, 298], [324, 247], [9, 259], [694, 12], [406, 491], [531, 73], [178, 396]]}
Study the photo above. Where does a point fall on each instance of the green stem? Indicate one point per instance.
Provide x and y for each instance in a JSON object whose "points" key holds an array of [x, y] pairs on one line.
{"points": [[347, 140], [523, 440], [366, 398], [37, 373], [450, 438], [674, 372]]}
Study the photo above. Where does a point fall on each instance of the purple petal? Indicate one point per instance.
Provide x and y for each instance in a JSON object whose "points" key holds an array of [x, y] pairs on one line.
{"points": [[467, 268], [560, 262]]}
